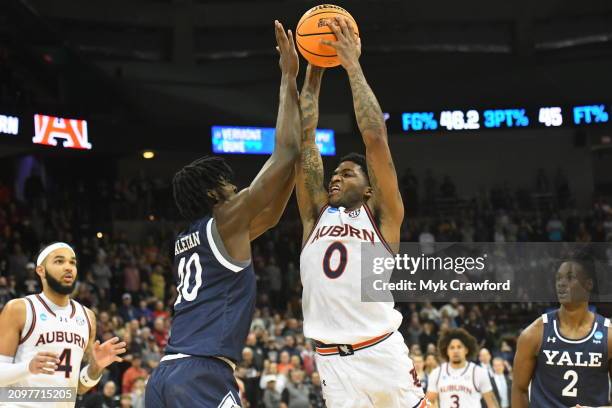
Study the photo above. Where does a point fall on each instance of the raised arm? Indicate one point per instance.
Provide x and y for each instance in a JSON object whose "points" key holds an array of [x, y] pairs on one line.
{"points": [[525, 362], [387, 201], [272, 214], [310, 191], [277, 171]]}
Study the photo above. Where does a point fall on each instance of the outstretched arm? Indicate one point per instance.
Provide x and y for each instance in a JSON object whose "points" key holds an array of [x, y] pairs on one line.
{"points": [[310, 191], [272, 214], [99, 356], [387, 199], [272, 185]]}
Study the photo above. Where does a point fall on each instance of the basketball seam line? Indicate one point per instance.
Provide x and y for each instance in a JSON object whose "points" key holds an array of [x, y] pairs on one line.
{"points": [[318, 55], [322, 12], [308, 35]]}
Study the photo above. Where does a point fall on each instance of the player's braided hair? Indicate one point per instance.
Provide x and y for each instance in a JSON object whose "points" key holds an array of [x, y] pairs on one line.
{"points": [[192, 183], [463, 336], [357, 159]]}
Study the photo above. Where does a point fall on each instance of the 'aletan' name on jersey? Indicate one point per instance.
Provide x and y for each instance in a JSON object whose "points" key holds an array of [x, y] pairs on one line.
{"points": [[186, 243]]}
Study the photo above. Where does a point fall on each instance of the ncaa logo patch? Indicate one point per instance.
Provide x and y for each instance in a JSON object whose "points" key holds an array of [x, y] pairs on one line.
{"points": [[598, 336], [43, 316], [332, 210], [354, 213]]}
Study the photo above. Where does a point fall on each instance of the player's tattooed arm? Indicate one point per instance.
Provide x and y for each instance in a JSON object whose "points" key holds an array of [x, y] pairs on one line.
{"points": [[387, 201], [99, 356], [310, 190], [525, 362]]}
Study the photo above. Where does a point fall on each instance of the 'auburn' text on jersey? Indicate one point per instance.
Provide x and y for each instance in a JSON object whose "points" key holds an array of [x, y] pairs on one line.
{"points": [[330, 268]]}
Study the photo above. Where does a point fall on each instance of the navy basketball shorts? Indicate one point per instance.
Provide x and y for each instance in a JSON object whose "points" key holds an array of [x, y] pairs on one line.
{"points": [[205, 382]]}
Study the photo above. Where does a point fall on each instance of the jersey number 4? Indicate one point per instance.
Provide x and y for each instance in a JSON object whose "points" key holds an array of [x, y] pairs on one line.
{"points": [[64, 364], [184, 272]]}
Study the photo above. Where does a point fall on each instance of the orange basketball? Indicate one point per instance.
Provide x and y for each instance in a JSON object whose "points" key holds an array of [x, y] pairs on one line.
{"points": [[312, 28]]}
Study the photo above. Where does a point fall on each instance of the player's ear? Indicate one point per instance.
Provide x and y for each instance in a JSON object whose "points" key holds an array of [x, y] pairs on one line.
{"points": [[368, 192], [40, 271], [213, 194]]}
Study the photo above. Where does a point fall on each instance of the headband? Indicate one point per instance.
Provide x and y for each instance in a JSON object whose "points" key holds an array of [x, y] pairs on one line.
{"points": [[45, 252]]}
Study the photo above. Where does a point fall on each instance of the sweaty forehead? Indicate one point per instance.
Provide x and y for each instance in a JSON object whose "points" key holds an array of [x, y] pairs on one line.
{"points": [[568, 268], [347, 165]]}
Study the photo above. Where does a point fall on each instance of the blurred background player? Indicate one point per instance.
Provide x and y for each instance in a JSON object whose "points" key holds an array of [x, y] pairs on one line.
{"points": [[45, 337], [565, 354], [459, 382], [216, 296], [362, 197]]}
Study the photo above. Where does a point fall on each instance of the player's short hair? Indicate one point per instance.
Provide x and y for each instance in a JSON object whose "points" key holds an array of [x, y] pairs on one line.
{"points": [[585, 257], [357, 159], [463, 336], [192, 183]]}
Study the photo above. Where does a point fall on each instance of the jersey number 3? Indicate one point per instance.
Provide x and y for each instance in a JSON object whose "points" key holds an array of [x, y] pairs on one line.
{"points": [[184, 272]]}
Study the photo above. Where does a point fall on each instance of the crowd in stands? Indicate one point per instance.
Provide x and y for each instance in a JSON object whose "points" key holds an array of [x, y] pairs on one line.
{"points": [[129, 282]]}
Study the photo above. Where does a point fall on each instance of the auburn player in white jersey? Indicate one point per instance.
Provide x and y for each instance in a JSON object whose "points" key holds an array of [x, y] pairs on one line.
{"points": [[362, 359], [45, 337], [459, 382]]}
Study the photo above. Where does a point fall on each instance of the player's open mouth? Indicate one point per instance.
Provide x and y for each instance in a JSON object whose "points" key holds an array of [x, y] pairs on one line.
{"points": [[68, 278], [334, 189]]}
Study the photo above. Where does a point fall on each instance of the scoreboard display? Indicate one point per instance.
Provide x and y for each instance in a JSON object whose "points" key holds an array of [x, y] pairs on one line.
{"points": [[550, 116], [260, 140]]}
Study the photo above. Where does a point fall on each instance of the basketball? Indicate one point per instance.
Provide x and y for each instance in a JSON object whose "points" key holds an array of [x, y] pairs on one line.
{"points": [[312, 28]]}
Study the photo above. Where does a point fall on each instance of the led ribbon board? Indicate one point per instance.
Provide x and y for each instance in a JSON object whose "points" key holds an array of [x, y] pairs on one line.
{"points": [[260, 140]]}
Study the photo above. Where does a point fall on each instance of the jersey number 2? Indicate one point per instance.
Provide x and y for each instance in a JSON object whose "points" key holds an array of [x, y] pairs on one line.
{"points": [[570, 390], [339, 270], [183, 287]]}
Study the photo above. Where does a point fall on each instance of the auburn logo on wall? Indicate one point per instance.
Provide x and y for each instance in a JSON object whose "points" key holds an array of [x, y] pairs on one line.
{"points": [[72, 133]]}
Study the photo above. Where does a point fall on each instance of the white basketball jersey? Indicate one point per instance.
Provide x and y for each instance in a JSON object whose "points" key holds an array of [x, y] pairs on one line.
{"points": [[458, 387], [61, 330], [330, 268]]}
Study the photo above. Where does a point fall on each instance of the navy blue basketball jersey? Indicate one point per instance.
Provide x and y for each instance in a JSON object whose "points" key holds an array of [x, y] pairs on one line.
{"points": [[216, 296], [570, 372]]}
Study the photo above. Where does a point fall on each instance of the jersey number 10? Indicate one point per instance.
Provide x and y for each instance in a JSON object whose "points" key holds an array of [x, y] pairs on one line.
{"points": [[184, 277]]}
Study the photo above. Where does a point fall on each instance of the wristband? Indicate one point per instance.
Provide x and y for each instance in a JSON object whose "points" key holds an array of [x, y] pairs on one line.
{"points": [[86, 380]]}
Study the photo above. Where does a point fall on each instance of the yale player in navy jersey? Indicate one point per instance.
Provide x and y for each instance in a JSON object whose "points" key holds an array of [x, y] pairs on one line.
{"points": [[216, 292], [565, 354]]}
